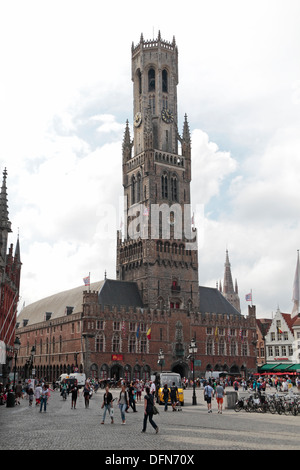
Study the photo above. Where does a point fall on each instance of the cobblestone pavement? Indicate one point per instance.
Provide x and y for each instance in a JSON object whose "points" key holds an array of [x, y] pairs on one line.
{"points": [[61, 428]]}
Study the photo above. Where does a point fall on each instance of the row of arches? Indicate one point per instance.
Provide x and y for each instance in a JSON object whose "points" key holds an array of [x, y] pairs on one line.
{"points": [[152, 80]]}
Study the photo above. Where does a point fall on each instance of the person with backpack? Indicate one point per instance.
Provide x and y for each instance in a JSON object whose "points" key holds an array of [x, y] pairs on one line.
{"points": [[166, 394], [173, 395], [148, 411]]}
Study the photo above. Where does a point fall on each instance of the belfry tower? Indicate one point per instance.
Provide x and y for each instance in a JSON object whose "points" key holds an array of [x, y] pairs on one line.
{"points": [[158, 246]]}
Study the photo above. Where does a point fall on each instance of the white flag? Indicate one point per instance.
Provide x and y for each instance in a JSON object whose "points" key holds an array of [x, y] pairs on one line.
{"points": [[295, 298]]}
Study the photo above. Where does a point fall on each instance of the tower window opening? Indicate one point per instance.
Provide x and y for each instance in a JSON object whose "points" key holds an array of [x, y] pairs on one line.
{"points": [[174, 188], [164, 186], [140, 82], [151, 80], [133, 190], [165, 81]]}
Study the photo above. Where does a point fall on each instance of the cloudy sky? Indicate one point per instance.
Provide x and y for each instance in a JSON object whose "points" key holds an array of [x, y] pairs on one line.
{"points": [[65, 95]]}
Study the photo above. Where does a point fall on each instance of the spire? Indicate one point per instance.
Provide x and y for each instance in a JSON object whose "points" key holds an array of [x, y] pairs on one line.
{"points": [[4, 220], [228, 284], [127, 144], [17, 256], [296, 296], [186, 139], [186, 130]]}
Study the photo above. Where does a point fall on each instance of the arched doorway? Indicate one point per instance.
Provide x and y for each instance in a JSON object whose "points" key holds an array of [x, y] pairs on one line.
{"points": [[180, 368], [116, 372]]}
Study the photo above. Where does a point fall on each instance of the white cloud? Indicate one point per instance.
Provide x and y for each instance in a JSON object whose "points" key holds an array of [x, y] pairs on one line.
{"points": [[66, 92]]}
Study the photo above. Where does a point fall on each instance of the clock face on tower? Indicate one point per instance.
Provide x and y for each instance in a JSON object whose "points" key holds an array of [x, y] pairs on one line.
{"points": [[138, 119], [167, 116]]}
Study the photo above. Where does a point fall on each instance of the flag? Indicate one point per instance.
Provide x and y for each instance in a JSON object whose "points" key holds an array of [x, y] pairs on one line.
{"points": [[149, 333], [296, 296], [279, 330], [86, 280], [228, 334], [216, 334], [249, 297], [138, 331]]}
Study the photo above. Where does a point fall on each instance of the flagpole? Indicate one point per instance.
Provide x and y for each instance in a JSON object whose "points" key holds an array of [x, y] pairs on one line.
{"points": [[251, 299], [90, 282]]}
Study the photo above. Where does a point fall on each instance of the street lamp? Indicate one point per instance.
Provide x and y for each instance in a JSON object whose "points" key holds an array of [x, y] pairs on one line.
{"points": [[17, 345], [192, 350], [161, 358]]}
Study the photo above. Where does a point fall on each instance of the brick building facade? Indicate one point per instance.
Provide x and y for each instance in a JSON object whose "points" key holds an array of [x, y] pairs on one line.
{"points": [[10, 272], [119, 326]]}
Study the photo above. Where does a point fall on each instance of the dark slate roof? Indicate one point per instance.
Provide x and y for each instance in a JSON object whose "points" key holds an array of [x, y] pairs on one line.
{"points": [[212, 301], [120, 293]]}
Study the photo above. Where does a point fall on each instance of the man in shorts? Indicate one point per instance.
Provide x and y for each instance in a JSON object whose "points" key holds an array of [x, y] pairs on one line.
{"points": [[220, 392]]}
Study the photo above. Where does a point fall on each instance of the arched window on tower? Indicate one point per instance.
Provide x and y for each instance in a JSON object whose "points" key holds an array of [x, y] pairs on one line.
{"points": [[151, 80], [139, 188], [164, 186], [165, 81], [133, 190], [140, 81], [174, 188]]}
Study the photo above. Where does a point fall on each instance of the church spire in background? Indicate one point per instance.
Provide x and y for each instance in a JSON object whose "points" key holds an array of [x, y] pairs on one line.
{"points": [[295, 298], [229, 292]]}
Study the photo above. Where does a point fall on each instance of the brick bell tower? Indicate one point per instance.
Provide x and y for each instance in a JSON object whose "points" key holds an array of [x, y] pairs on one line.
{"points": [[157, 248]]}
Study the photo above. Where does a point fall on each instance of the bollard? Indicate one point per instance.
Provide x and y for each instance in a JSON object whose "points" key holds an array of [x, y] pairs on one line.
{"points": [[10, 402], [231, 399]]}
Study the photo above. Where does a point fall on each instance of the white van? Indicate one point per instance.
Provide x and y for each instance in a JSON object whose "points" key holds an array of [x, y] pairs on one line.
{"points": [[215, 374]]}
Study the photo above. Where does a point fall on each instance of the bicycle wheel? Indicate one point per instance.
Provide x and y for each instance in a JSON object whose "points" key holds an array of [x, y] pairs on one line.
{"points": [[272, 408]]}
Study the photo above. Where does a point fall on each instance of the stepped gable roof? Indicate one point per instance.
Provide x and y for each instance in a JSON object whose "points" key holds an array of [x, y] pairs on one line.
{"points": [[212, 301], [289, 320], [57, 303], [263, 324], [120, 293]]}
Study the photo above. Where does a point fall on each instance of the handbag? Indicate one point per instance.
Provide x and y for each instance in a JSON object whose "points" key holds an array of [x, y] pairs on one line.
{"points": [[155, 410]]}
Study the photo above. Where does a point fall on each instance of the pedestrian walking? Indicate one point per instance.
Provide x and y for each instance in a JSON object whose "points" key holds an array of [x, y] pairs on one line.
{"points": [[44, 398], [86, 394], [30, 395], [107, 405], [123, 402], [74, 395], [38, 392], [148, 411], [208, 394], [131, 393], [18, 391], [166, 396], [174, 395], [220, 392]]}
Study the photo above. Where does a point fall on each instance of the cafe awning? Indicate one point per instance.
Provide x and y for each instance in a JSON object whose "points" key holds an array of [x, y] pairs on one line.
{"points": [[281, 367], [267, 367], [294, 368]]}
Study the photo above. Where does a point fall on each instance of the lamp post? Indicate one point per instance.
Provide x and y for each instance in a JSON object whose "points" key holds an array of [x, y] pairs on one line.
{"points": [[161, 358], [192, 350], [17, 345]]}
